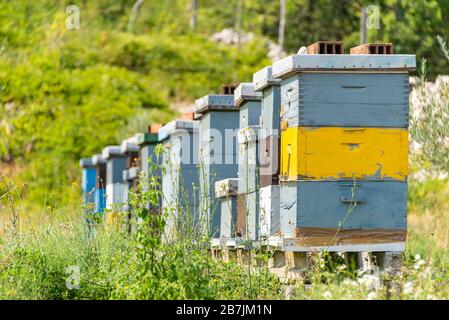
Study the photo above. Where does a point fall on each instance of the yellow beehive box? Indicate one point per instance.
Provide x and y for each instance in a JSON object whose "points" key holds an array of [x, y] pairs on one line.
{"points": [[330, 153]]}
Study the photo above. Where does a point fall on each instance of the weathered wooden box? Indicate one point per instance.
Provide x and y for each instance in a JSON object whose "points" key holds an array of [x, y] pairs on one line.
{"points": [[329, 153], [269, 134], [344, 213], [248, 216], [248, 166], [345, 100], [226, 192]]}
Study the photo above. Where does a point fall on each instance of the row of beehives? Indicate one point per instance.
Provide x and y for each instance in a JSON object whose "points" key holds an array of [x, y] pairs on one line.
{"points": [[312, 154]]}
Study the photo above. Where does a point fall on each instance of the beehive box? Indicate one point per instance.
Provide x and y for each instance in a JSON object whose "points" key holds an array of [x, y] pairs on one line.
{"points": [[116, 188], [130, 174], [248, 165], [269, 134], [329, 153], [88, 181], [100, 183], [247, 216], [345, 100], [180, 181], [369, 212], [248, 102], [269, 212], [344, 151], [147, 143], [130, 149], [218, 122], [226, 192]]}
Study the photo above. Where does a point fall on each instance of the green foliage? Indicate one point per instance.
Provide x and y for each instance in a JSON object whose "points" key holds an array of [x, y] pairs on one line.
{"points": [[66, 94], [430, 115]]}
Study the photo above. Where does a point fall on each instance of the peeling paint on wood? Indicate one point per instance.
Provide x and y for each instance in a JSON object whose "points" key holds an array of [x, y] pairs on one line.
{"points": [[345, 100], [325, 204]]}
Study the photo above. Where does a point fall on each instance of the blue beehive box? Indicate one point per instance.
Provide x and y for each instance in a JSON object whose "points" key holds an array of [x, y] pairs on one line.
{"points": [[116, 188], [366, 90], [269, 134], [100, 183], [369, 211], [180, 182], [219, 120], [89, 177]]}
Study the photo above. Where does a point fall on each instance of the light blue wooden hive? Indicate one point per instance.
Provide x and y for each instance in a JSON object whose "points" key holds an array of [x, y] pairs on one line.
{"points": [[180, 181], [116, 188], [219, 122]]}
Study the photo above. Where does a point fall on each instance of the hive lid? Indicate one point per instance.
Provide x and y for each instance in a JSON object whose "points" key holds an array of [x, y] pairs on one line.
{"points": [[177, 125], [244, 92], [227, 187], [224, 102], [98, 159], [344, 62], [146, 138], [86, 162], [112, 151], [264, 78]]}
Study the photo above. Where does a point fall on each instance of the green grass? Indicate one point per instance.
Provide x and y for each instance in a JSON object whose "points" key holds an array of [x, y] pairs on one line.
{"points": [[113, 265]]}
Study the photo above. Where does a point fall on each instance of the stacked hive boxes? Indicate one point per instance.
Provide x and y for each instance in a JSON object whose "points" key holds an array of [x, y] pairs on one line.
{"points": [[89, 177], [344, 151], [180, 178], [269, 148], [248, 102], [99, 164], [219, 121], [116, 188]]}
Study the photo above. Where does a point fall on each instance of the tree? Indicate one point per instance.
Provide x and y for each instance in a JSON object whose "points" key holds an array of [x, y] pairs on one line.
{"points": [[282, 13], [194, 15]]}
